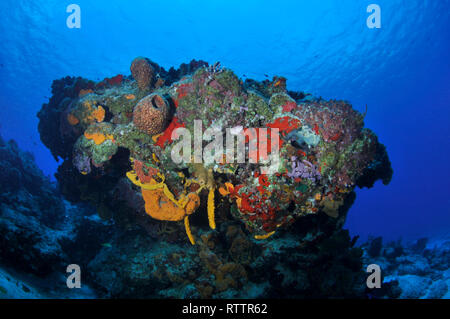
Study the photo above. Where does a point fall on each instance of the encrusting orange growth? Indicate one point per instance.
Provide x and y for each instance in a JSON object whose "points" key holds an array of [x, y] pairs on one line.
{"points": [[193, 203], [72, 119], [227, 191], [98, 138], [130, 96], [232, 191], [223, 191], [89, 112], [99, 114], [84, 92]]}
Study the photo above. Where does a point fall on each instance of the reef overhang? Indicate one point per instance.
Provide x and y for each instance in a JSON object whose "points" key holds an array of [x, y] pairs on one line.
{"points": [[116, 139]]}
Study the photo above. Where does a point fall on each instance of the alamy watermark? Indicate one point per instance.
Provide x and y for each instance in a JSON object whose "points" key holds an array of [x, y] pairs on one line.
{"points": [[374, 279], [74, 279], [263, 146], [74, 19]]}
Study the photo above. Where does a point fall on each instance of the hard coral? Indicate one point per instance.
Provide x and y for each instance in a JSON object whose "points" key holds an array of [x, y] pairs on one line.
{"points": [[151, 114]]}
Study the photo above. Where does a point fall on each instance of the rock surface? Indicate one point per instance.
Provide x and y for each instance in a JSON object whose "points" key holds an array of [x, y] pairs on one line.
{"points": [[416, 270]]}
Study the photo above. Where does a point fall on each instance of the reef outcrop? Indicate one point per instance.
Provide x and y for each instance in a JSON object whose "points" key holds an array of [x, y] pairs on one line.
{"points": [[40, 233], [118, 137]]}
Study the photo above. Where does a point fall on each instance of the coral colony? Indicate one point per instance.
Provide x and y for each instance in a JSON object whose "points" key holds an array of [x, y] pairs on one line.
{"points": [[122, 141]]}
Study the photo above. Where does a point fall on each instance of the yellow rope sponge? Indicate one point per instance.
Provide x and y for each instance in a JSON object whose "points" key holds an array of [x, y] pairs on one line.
{"points": [[188, 230], [211, 208], [264, 236]]}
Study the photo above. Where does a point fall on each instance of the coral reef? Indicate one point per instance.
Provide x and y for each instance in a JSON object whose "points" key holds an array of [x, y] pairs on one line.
{"points": [[41, 233], [233, 266], [116, 141], [141, 257], [419, 269]]}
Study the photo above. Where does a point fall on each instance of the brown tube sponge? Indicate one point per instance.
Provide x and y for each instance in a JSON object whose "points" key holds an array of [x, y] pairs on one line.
{"points": [[151, 114]]}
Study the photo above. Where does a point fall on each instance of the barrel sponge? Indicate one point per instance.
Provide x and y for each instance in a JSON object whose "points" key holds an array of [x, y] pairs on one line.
{"points": [[143, 72], [151, 114]]}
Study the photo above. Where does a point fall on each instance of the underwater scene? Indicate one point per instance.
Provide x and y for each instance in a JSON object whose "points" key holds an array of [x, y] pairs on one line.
{"points": [[224, 150]]}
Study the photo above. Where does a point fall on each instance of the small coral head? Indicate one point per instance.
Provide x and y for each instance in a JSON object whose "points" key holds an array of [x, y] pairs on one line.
{"points": [[151, 114]]}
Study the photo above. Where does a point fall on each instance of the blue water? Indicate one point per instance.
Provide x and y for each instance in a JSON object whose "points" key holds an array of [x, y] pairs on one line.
{"points": [[401, 71]]}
